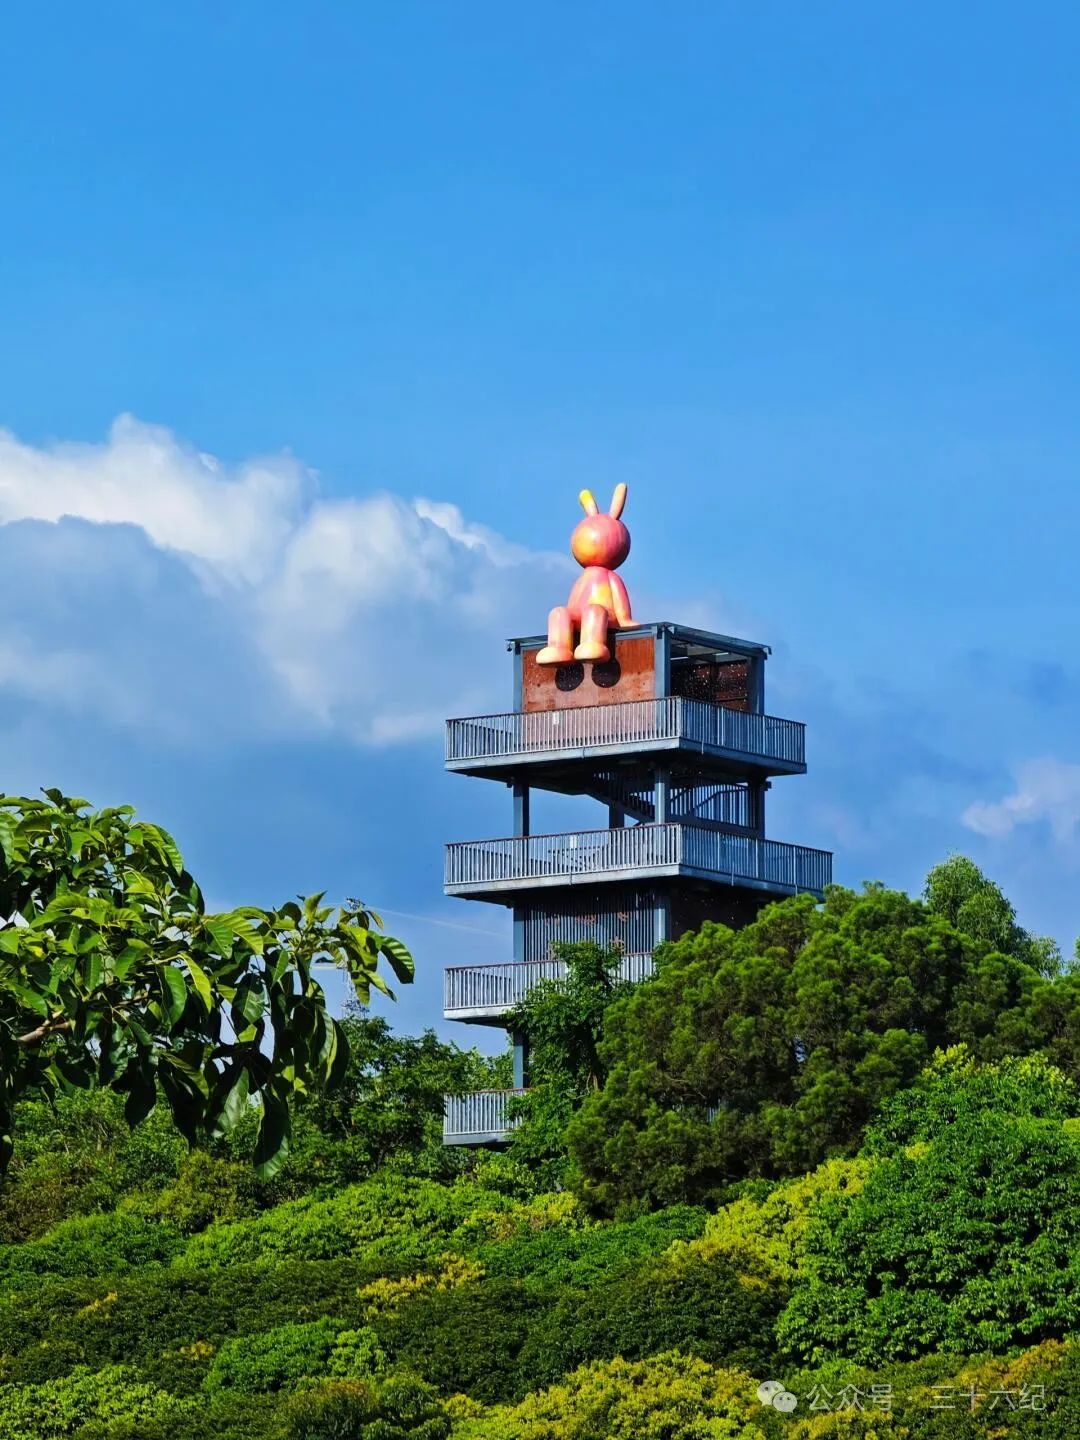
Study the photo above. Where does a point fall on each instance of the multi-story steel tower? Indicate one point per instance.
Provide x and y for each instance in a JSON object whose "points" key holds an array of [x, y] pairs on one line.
{"points": [[665, 727]]}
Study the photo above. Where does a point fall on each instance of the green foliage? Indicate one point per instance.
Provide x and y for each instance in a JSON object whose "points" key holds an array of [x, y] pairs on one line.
{"points": [[278, 1358], [273, 1360], [402, 1408], [387, 1108], [581, 1257], [697, 1306], [667, 1397], [497, 1338], [413, 1220], [375, 1287], [206, 1189], [762, 1231], [958, 891], [965, 1242], [112, 974], [66, 1406], [91, 1245], [138, 1318], [77, 1155], [954, 1087], [795, 1029], [562, 1023]]}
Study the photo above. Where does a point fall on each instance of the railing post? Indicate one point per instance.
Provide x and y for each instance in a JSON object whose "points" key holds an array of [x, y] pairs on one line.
{"points": [[662, 662], [662, 795], [521, 1059], [521, 808]]}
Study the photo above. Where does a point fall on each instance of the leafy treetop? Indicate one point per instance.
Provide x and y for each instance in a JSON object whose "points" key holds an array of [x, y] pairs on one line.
{"points": [[112, 973]]}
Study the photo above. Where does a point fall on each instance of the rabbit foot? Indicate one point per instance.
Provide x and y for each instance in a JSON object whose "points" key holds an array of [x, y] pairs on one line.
{"points": [[554, 655]]}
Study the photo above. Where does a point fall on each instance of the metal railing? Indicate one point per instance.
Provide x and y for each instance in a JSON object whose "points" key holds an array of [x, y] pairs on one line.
{"points": [[484, 737], [478, 1116], [637, 847], [502, 986]]}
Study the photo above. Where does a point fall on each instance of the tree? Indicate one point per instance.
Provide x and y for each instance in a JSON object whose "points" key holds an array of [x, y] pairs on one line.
{"points": [[562, 1022], [113, 974], [763, 1051], [388, 1107], [964, 1235], [959, 891]]}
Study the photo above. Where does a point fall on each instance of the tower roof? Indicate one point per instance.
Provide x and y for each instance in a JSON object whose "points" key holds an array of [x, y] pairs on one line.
{"points": [[685, 639]]}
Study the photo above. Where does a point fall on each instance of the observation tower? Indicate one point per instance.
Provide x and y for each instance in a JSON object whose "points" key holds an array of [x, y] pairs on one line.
{"points": [[665, 728]]}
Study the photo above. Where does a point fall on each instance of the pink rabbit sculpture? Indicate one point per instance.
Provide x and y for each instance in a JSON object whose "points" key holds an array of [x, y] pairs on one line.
{"points": [[598, 602]]}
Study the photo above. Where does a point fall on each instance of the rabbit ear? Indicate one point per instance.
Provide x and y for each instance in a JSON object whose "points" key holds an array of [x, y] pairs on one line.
{"points": [[588, 504], [618, 500]]}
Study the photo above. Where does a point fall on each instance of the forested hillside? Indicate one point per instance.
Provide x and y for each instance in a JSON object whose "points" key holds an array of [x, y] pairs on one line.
{"points": [[839, 1149]]}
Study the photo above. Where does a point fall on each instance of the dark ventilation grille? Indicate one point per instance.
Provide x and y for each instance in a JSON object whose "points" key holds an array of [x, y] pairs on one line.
{"points": [[569, 677], [720, 682]]}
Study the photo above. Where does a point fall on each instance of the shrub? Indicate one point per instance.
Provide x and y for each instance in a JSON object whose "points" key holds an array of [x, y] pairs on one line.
{"points": [[393, 1217], [274, 1360], [584, 1256], [44, 1332], [763, 1232], [954, 1087], [76, 1155], [91, 1245], [667, 1397], [401, 1409], [500, 1338], [61, 1407], [966, 1243], [699, 1306], [207, 1189]]}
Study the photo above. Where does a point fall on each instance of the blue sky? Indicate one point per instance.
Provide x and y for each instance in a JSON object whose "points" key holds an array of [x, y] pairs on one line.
{"points": [[315, 319]]}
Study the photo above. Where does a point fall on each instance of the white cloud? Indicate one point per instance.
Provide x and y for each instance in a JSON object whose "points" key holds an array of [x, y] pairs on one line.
{"points": [[233, 521], [353, 613], [1045, 790]]}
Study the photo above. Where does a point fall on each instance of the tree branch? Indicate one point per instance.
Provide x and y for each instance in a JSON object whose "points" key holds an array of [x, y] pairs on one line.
{"points": [[45, 1029]]}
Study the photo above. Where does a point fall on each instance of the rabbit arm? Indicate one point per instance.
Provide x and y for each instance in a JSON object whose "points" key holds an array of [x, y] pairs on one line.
{"points": [[620, 601]]}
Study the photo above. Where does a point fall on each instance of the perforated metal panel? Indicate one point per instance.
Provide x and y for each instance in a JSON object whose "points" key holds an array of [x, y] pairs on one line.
{"points": [[718, 682], [625, 920]]}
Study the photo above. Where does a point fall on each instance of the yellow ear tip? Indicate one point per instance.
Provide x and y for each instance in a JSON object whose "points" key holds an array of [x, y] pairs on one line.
{"points": [[588, 504]]}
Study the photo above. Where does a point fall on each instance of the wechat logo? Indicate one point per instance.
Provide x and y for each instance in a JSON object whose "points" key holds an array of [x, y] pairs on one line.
{"points": [[771, 1392]]}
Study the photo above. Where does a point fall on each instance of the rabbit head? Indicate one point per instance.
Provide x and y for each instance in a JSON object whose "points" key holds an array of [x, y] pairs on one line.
{"points": [[601, 539]]}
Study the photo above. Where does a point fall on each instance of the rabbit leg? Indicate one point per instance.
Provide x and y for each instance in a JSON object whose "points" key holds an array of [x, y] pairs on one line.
{"points": [[594, 625], [560, 647]]}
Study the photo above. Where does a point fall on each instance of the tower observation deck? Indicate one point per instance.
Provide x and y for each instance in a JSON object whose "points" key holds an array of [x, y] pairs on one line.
{"points": [[668, 733]]}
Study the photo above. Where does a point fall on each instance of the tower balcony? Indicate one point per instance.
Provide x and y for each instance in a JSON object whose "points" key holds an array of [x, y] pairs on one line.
{"points": [[484, 994], [499, 869], [500, 746], [478, 1118]]}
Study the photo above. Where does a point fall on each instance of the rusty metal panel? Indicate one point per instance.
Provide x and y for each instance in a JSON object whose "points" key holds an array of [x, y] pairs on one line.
{"points": [[629, 675]]}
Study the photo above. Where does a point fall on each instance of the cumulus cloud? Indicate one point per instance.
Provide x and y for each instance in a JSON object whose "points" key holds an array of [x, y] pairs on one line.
{"points": [[1046, 790], [342, 613]]}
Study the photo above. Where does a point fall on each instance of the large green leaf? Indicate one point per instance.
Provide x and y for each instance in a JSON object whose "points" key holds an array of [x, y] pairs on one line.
{"points": [[229, 1099], [174, 994], [142, 1091], [249, 1003], [400, 957], [200, 980], [272, 1145], [221, 933], [7, 835]]}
